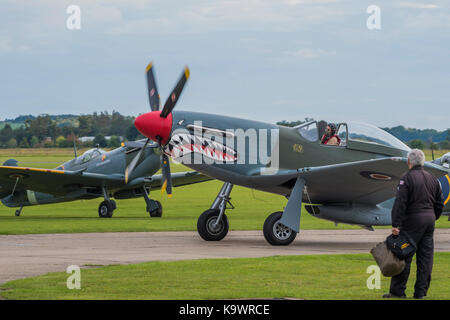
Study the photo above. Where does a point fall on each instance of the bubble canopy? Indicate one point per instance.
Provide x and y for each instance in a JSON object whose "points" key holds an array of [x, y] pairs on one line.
{"points": [[367, 133]]}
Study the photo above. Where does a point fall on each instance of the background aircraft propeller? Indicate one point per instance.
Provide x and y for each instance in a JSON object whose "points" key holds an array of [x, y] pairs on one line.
{"points": [[134, 162]]}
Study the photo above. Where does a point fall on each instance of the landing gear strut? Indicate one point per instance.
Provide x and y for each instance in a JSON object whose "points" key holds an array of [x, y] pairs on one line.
{"points": [[107, 207], [212, 225], [281, 228]]}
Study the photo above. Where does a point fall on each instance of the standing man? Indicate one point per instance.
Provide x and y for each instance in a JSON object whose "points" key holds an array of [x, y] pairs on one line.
{"points": [[418, 204]]}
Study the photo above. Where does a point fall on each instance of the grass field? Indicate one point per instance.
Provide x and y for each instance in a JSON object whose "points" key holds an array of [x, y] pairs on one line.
{"points": [[180, 212], [304, 277]]}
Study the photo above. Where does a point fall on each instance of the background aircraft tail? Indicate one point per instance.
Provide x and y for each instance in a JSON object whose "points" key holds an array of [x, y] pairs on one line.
{"points": [[6, 187]]}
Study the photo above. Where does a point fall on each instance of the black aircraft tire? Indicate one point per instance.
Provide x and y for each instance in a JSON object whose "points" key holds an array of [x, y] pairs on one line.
{"points": [[158, 212], [275, 233], [106, 209], [205, 223], [114, 205], [17, 213]]}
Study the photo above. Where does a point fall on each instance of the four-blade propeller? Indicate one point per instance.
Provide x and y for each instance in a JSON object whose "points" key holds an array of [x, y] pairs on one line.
{"points": [[157, 125]]}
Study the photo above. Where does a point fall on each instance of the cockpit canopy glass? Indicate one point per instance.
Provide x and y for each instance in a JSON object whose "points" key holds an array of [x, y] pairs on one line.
{"points": [[367, 133], [89, 155], [309, 131]]}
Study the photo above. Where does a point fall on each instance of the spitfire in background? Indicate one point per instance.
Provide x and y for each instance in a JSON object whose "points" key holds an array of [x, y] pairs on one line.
{"points": [[123, 173]]}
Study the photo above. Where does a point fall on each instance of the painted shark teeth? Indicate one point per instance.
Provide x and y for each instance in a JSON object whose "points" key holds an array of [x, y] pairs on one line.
{"points": [[183, 144]]}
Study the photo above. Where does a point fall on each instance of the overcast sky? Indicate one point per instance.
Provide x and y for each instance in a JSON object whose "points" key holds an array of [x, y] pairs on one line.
{"points": [[259, 59]]}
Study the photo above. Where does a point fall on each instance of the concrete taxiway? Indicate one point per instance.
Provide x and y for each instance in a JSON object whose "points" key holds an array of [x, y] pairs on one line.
{"points": [[31, 255]]}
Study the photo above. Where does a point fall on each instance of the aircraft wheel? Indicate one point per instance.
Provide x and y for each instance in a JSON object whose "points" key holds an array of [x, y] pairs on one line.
{"points": [[106, 209], [158, 212], [277, 234], [17, 213], [114, 205], [206, 228]]}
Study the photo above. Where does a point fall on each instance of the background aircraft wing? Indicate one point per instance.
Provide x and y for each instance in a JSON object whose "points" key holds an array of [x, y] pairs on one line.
{"points": [[56, 182], [365, 182], [179, 179]]}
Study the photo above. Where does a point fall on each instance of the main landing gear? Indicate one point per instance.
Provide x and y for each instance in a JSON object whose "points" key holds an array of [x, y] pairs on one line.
{"points": [[107, 207], [154, 207], [212, 225], [280, 228], [276, 233]]}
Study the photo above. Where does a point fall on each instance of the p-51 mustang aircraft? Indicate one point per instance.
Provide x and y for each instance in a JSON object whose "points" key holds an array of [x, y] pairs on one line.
{"points": [[351, 182], [123, 173]]}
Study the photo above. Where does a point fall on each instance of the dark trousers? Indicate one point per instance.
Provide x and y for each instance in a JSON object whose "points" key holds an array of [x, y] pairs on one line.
{"points": [[420, 227]]}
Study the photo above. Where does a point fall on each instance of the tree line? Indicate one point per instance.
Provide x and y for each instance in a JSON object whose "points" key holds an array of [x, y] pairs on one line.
{"points": [[61, 131]]}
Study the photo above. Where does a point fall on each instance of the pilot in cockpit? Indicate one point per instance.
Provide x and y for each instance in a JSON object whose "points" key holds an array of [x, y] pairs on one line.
{"points": [[330, 137]]}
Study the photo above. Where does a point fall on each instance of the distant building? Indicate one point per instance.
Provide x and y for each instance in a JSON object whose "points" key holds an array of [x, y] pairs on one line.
{"points": [[48, 140], [86, 139]]}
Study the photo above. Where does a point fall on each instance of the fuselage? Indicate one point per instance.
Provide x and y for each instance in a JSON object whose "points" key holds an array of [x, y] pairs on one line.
{"points": [[237, 150]]}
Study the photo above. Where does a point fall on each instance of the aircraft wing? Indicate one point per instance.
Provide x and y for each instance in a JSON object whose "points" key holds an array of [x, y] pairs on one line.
{"points": [[56, 182], [179, 179], [365, 182]]}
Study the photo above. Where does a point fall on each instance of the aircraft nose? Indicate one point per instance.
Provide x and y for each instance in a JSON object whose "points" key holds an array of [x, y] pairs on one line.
{"points": [[154, 127]]}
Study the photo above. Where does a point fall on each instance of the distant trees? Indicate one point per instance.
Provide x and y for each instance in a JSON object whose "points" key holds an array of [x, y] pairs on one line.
{"points": [[416, 144], [61, 131]]}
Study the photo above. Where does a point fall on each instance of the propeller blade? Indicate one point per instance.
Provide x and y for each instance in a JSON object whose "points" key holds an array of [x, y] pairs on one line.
{"points": [[175, 94], [138, 144], [167, 185], [152, 89], [133, 162]]}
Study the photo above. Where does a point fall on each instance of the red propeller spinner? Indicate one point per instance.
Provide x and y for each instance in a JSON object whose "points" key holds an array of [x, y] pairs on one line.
{"points": [[155, 127]]}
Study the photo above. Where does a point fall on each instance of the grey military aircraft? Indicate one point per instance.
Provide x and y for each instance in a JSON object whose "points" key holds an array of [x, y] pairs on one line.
{"points": [[351, 182], [123, 173]]}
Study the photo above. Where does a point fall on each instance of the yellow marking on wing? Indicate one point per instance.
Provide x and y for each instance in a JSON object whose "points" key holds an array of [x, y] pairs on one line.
{"points": [[448, 196], [33, 169], [186, 72]]}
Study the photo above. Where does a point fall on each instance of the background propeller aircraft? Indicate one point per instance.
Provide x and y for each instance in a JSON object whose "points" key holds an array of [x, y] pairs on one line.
{"points": [[353, 182], [123, 173]]}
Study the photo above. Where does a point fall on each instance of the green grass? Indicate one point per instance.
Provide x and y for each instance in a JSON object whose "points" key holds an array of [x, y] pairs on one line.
{"points": [[179, 213], [304, 277]]}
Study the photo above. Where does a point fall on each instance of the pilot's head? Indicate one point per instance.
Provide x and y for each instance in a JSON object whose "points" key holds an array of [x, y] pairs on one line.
{"points": [[331, 129]]}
